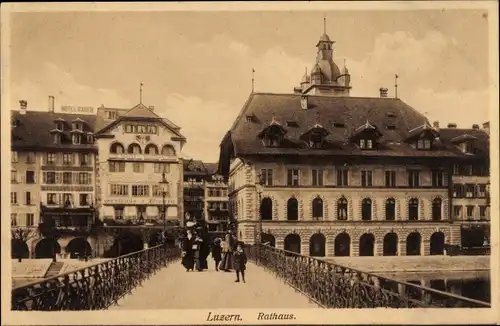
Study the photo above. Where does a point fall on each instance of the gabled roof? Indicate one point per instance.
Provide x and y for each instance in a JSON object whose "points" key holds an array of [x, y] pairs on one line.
{"points": [[141, 111], [138, 112], [317, 128], [34, 130], [481, 144], [422, 131]]}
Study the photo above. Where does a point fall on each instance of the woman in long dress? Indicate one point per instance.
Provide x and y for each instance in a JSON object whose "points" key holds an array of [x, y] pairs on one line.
{"points": [[187, 250], [226, 263], [198, 253]]}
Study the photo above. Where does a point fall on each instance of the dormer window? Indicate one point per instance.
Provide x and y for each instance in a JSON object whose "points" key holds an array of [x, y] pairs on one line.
{"points": [[76, 138], [424, 144], [366, 143], [273, 135], [77, 126], [366, 136], [90, 139], [60, 126], [465, 143], [315, 137]]}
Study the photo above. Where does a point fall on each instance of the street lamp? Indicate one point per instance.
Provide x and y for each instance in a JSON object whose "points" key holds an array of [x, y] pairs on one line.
{"points": [[259, 185], [164, 191]]}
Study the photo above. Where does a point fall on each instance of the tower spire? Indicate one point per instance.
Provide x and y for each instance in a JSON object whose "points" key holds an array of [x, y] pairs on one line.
{"points": [[140, 92], [324, 23], [396, 84], [253, 80]]}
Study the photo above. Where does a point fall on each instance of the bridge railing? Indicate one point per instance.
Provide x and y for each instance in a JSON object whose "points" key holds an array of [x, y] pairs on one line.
{"points": [[96, 286], [334, 286]]}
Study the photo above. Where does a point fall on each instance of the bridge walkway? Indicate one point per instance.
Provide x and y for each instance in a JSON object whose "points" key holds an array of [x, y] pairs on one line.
{"points": [[174, 288]]}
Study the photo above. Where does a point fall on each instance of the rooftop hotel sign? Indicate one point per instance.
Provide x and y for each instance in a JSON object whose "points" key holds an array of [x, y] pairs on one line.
{"points": [[137, 201], [77, 109]]}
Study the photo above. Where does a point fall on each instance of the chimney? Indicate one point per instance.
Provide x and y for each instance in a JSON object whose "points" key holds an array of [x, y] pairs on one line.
{"points": [[383, 92], [475, 126], [452, 125], [435, 124], [23, 105], [152, 107], [51, 103]]}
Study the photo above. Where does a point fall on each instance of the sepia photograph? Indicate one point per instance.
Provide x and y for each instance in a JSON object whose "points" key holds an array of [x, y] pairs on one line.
{"points": [[250, 163]]}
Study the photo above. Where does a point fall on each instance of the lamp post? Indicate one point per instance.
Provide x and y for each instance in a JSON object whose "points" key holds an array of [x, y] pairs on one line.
{"points": [[259, 186], [164, 191]]}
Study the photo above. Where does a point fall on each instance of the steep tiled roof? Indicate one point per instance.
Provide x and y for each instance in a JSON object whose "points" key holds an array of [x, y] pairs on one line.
{"points": [[211, 167], [194, 167], [33, 129], [481, 144], [340, 116]]}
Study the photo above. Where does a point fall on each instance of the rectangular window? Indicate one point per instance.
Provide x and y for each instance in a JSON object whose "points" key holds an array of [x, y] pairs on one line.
{"points": [[292, 177], [49, 177], [67, 158], [141, 212], [457, 212], [28, 198], [13, 219], [390, 178], [157, 190], [14, 156], [482, 211], [30, 219], [84, 159], [317, 177], [480, 191], [118, 212], [13, 176], [30, 158], [342, 177], [30, 177], [50, 159], [470, 211], [456, 169], [366, 178], [138, 167], [413, 178], [119, 190], [84, 178], [140, 190], [51, 199], [267, 176], [469, 191], [116, 166], [68, 200], [67, 178], [13, 198], [437, 178], [161, 167], [458, 190], [84, 200]]}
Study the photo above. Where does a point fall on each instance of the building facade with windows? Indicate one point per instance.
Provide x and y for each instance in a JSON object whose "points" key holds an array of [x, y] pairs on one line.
{"points": [[327, 174], [195, 176], [470, 183], [216, 200], [136, 146]]}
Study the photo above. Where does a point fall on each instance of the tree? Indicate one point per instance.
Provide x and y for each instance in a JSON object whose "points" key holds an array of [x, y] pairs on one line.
{"points": [[19, 246]]}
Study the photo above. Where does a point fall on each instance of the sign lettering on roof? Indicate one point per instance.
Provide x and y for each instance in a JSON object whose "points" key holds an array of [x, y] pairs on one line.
{"points": [[141, 129], [77, 109]]}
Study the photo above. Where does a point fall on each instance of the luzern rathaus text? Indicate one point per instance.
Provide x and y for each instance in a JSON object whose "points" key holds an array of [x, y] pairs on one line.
{"points": [[323, 173]]}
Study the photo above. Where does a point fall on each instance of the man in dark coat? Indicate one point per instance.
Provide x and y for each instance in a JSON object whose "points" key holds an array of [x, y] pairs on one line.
{"points": [[188, 245], [204, 247], [216, 252]]}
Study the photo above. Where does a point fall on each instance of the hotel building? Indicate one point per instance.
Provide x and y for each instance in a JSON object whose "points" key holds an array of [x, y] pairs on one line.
{"points": [[322, 173], [136, 146]]}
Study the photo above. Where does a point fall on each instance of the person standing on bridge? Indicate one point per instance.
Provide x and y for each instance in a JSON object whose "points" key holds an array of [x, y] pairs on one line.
{"points": [[187, 250], [216, 252], [240, 262], [226, 263]]}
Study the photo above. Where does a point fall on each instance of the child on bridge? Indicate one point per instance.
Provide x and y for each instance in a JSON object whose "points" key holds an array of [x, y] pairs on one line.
{"points": [[240, 262]]}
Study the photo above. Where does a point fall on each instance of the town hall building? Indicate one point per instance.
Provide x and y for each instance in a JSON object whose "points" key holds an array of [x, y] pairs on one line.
{"points": [[323, 173]]}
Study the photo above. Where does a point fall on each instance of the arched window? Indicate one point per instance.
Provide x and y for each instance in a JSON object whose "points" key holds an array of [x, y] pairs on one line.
{"points": [[317, 208], [151, 149], [366, 209], [292, 209], [266, 209], [390, 209], [168, 150], [342, 209], [134, 149], [413, 209], [117, 148], [436, 209]]}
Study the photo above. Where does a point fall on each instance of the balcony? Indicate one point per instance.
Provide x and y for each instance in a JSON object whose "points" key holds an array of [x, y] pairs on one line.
{"points": [[193, 198], [141, 157], [194, 184]]}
